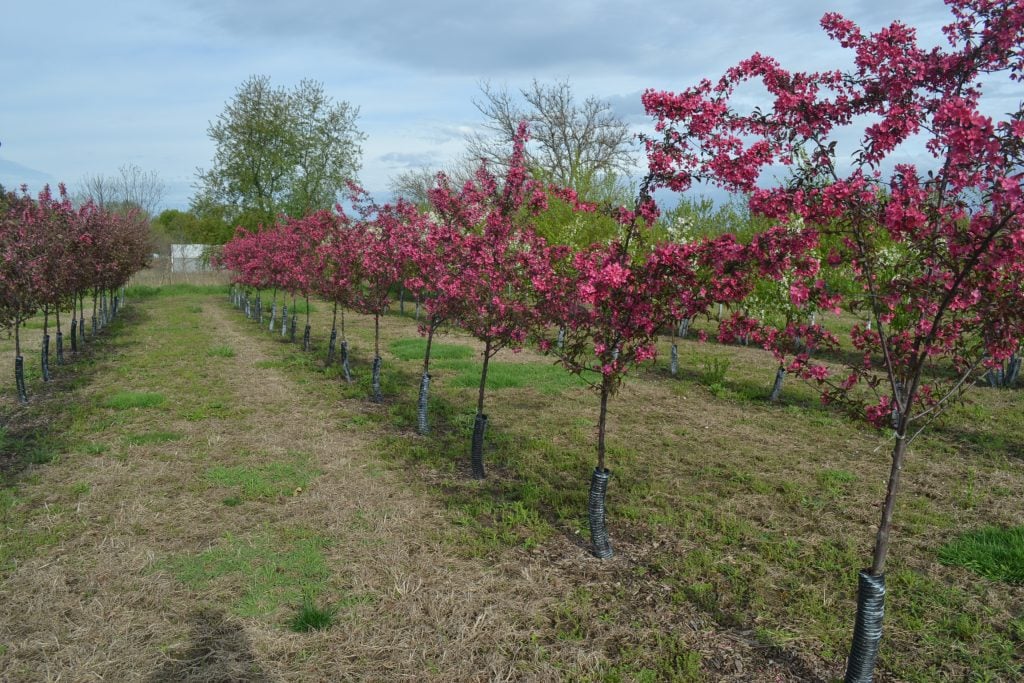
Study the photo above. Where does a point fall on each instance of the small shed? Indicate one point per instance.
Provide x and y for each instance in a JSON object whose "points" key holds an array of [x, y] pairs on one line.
{"points": [[190, 258]]}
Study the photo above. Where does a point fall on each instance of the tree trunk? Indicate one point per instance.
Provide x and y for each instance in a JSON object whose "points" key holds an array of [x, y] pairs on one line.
{"points": [[422, 422], [885, 527], [81, 319], [867, 633], [74, 327], [291, 327], [602, 547], [483, 378], [334, 335], [19, 365], [44, 359], [376, 334], [780, 376], [480, 422], [273, 311]]}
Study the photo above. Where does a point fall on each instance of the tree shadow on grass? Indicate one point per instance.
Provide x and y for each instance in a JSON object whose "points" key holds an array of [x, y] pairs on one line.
{"points": [[219, 651]]}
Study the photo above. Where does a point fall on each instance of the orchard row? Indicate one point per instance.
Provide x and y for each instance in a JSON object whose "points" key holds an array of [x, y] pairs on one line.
{"points": [[53, 256], [930, 259]]}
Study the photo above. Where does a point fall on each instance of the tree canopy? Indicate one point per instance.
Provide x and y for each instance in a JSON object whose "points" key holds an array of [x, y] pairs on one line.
{"points": [[278, 150]]}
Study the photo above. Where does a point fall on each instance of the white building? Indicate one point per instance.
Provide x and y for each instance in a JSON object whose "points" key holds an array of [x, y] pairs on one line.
{"points": [[189, 258]]}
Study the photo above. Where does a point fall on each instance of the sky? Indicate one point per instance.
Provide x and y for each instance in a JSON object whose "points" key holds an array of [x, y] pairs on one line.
{"points": [[92, 86]]}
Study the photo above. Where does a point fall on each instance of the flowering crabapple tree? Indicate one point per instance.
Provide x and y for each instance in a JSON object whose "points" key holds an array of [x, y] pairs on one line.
{"points": [[612, 299], [51, 273], [337, 265], [298, 241], [492, 275], [380, 238], [780, 311], [241, 256], [23, 251], [49, 251], [434, 285], [952, 299]]}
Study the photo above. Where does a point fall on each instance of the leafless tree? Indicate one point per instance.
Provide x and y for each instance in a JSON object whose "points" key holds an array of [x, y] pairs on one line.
{"points": [[131, 187], [412, 184], [571, 144]]}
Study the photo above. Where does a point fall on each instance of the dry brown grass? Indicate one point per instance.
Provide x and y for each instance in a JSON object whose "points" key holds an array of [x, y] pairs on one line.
{"points": [[159, 277]]}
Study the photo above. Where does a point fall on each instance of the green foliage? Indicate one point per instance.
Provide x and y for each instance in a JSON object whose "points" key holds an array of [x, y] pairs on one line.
{"points": [[276, 151], [996, 553], [177, 226], [698, 217], [560, 224]]}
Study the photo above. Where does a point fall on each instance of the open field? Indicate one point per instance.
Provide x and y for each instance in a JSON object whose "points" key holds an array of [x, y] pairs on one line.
{"points": [[193, 492]]}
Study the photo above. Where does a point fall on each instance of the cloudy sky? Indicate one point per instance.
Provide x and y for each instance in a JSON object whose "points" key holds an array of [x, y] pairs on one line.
{"points": [[90, 86]]}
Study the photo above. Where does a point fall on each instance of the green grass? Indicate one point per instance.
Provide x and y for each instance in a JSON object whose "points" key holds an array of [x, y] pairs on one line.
{"points": [[147, 438], [221, 352], [546, 379], [179, 289], [269, 480], [126, 400], [312, 617], [414, 348], [265, 571], [997, 553]]}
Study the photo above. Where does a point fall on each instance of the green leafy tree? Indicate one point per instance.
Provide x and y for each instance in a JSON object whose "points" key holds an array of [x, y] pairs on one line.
{"points": [[277, 151]]}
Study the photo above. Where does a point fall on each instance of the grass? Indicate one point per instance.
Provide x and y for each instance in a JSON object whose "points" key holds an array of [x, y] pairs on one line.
{"points": [[729, 516], [546, 379], [312, 617], [221, 351], [145, 291], [415, 347], [996, 553], [268, 480], [262, 572], [126, 400], [149, 438]]}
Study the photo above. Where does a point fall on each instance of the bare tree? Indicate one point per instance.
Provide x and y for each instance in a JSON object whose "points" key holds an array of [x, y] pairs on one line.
{"points": [[572, 144], [412, 184], [97, 187], [143, 189], [131, 187]]}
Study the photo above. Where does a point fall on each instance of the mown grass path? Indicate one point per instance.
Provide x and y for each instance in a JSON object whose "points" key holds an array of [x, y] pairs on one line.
{"points": [[198, 495]]}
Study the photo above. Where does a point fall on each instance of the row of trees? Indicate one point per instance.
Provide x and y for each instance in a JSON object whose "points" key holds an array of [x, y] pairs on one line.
{"points": [[931, 259], [53, 256]]}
